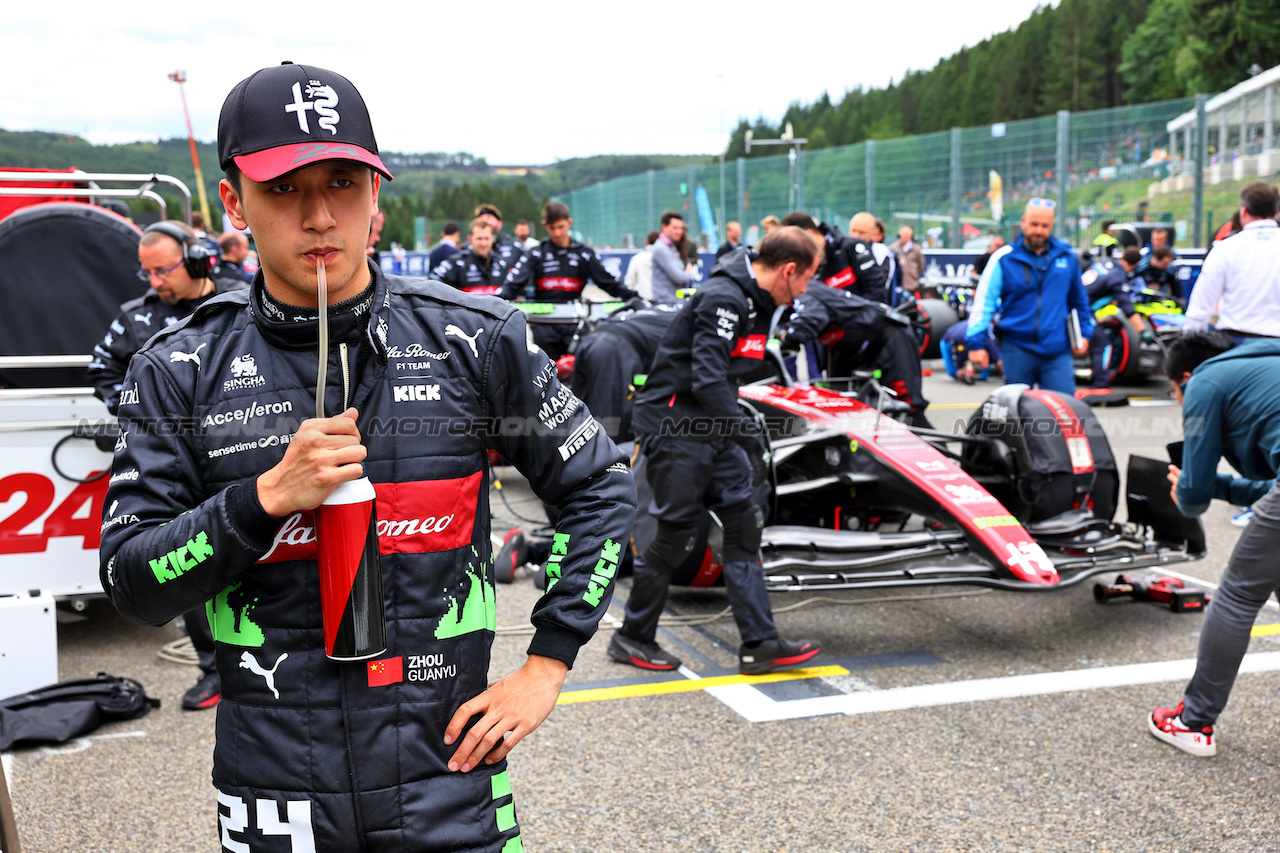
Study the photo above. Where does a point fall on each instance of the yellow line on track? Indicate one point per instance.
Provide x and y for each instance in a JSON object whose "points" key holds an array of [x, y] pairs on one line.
{"points": [[630, 691], [1264, 630]]}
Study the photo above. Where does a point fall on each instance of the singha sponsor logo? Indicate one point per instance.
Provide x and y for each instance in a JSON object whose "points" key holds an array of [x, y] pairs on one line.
{"points": [[244, 374]]}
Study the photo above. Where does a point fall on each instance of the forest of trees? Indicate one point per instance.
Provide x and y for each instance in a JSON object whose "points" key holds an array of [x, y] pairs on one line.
{"points": [[1079, 55]]}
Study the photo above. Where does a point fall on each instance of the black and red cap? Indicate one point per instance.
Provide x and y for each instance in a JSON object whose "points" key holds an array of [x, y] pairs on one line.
{"points": [[290, 116]]}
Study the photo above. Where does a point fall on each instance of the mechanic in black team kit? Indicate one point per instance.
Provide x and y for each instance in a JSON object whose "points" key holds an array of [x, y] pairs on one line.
{"points": [[406, 752], [704, 451], [476, 269], [559, 267]]}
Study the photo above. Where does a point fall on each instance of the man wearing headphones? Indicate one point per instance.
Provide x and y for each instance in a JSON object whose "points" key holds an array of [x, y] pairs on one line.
{"points": [[178, 267]]}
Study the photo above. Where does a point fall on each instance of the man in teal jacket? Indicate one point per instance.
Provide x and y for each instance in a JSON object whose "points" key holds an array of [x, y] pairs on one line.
{"points": [[1027, 291], [1230, 410]]}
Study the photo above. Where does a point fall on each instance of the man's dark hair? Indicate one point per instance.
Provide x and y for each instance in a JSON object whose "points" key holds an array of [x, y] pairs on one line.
{"points": [[1191, 349], [450, 227], [787, 244], [800, 220], [232, 173], [1132, 256], [229, 241], [1161, 253], [554, 211], [1106, 225], [520, 222], [652, 238], [670, 215], [1259, 200]]}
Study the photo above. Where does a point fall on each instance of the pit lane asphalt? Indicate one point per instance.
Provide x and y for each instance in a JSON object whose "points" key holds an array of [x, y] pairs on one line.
{"points": [[685, 771]]}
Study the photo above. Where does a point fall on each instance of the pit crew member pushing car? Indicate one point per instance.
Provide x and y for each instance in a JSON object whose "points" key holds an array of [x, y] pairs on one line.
{"points": [[1230, 410], [408, 751], [703, 450], [559, 267]]}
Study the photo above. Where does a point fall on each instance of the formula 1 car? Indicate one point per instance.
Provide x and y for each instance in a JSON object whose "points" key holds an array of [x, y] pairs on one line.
{"points": [[1128, 359], [1023, 500]]}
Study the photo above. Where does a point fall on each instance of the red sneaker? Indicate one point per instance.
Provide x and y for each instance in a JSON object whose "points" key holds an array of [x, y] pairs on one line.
{"points": [[1166, 724]]}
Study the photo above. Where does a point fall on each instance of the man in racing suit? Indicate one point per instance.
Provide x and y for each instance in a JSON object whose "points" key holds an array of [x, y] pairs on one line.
{"points": [[860, 334], [703, 451], [508, 248], [1108, 282], [176, 264], [476, 269], [405, 752], [559, 267]]}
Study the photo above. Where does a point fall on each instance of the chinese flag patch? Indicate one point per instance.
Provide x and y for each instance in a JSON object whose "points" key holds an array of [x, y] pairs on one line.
{"points": [[386, 671]]}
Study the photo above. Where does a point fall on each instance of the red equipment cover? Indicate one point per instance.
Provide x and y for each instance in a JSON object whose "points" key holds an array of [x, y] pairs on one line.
{"points": [[11, 203]]}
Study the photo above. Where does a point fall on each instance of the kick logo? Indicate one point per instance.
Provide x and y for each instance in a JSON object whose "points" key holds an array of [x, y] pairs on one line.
{"points": [[409, 393], [249, 662], [470, 339]]}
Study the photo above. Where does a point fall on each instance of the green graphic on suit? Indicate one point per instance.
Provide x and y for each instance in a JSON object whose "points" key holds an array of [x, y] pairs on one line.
{"points": [[229, 618], [470, 609]]}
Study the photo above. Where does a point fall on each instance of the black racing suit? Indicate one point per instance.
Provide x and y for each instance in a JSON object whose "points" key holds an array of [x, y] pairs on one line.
{"points": [[850, 264], [352, 754], [137, 321], [609, 359], [1163, 280], [471, 273], [1105, 281], [702, 447], [558, 275], [859, 336]]}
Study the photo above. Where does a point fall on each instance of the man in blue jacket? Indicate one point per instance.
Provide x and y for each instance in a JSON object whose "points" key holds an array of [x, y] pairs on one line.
{"points": [[1230, 400], [1031, 286]]}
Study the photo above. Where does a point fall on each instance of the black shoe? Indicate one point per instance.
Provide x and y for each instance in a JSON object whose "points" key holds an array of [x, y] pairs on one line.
{"points": [[512, 555], [644, 655], [771, 655], [205, 694]]}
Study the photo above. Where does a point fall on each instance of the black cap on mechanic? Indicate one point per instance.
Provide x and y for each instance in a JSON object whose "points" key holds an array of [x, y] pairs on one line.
{"points": [[290, 116]]}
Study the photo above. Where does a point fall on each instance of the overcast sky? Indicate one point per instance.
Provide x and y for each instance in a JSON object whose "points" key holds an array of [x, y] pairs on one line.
{"points": [[522, 83]]}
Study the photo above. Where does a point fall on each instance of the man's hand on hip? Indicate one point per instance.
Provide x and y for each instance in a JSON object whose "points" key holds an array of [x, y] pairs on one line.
{"points": [[323, 453], [512, 707]]}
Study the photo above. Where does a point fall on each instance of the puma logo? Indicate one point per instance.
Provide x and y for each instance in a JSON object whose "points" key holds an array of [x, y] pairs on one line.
{"points": [[249, 662], [144, 318], [470, 339], [175, 357]]}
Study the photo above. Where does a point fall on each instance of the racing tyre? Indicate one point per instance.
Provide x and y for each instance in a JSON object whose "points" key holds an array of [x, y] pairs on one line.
{"points": [[1123, 363], [932, 319]]}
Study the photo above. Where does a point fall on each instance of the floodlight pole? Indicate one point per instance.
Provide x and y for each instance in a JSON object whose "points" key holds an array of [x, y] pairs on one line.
{"points": [[795, 194], [180, 77]]}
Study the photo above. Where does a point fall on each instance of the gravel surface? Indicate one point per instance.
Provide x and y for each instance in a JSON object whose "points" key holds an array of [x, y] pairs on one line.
{"points": [[1073, 771]]}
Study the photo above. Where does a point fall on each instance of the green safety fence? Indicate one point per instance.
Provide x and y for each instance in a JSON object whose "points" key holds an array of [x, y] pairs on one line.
{"points": [[1095, 164]]}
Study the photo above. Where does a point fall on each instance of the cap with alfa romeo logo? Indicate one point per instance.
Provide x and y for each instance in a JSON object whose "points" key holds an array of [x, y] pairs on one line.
{"points": [[289, 116]]}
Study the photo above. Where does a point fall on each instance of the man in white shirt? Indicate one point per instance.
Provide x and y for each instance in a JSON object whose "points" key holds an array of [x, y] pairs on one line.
{"points": [[1240, 280], [640, 270]]}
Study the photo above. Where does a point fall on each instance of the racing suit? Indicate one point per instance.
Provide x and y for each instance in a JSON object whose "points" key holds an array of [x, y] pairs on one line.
{"points": [[702, 447], [1163, 280], [851, 264], [471, 273], [1105, 283], [610, 358], [558, 275], [859, 336], [137, 321], [350, 756]]}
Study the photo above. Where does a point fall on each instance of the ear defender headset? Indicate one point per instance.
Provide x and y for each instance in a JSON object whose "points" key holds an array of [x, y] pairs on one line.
{"points": [[197, 260]]}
